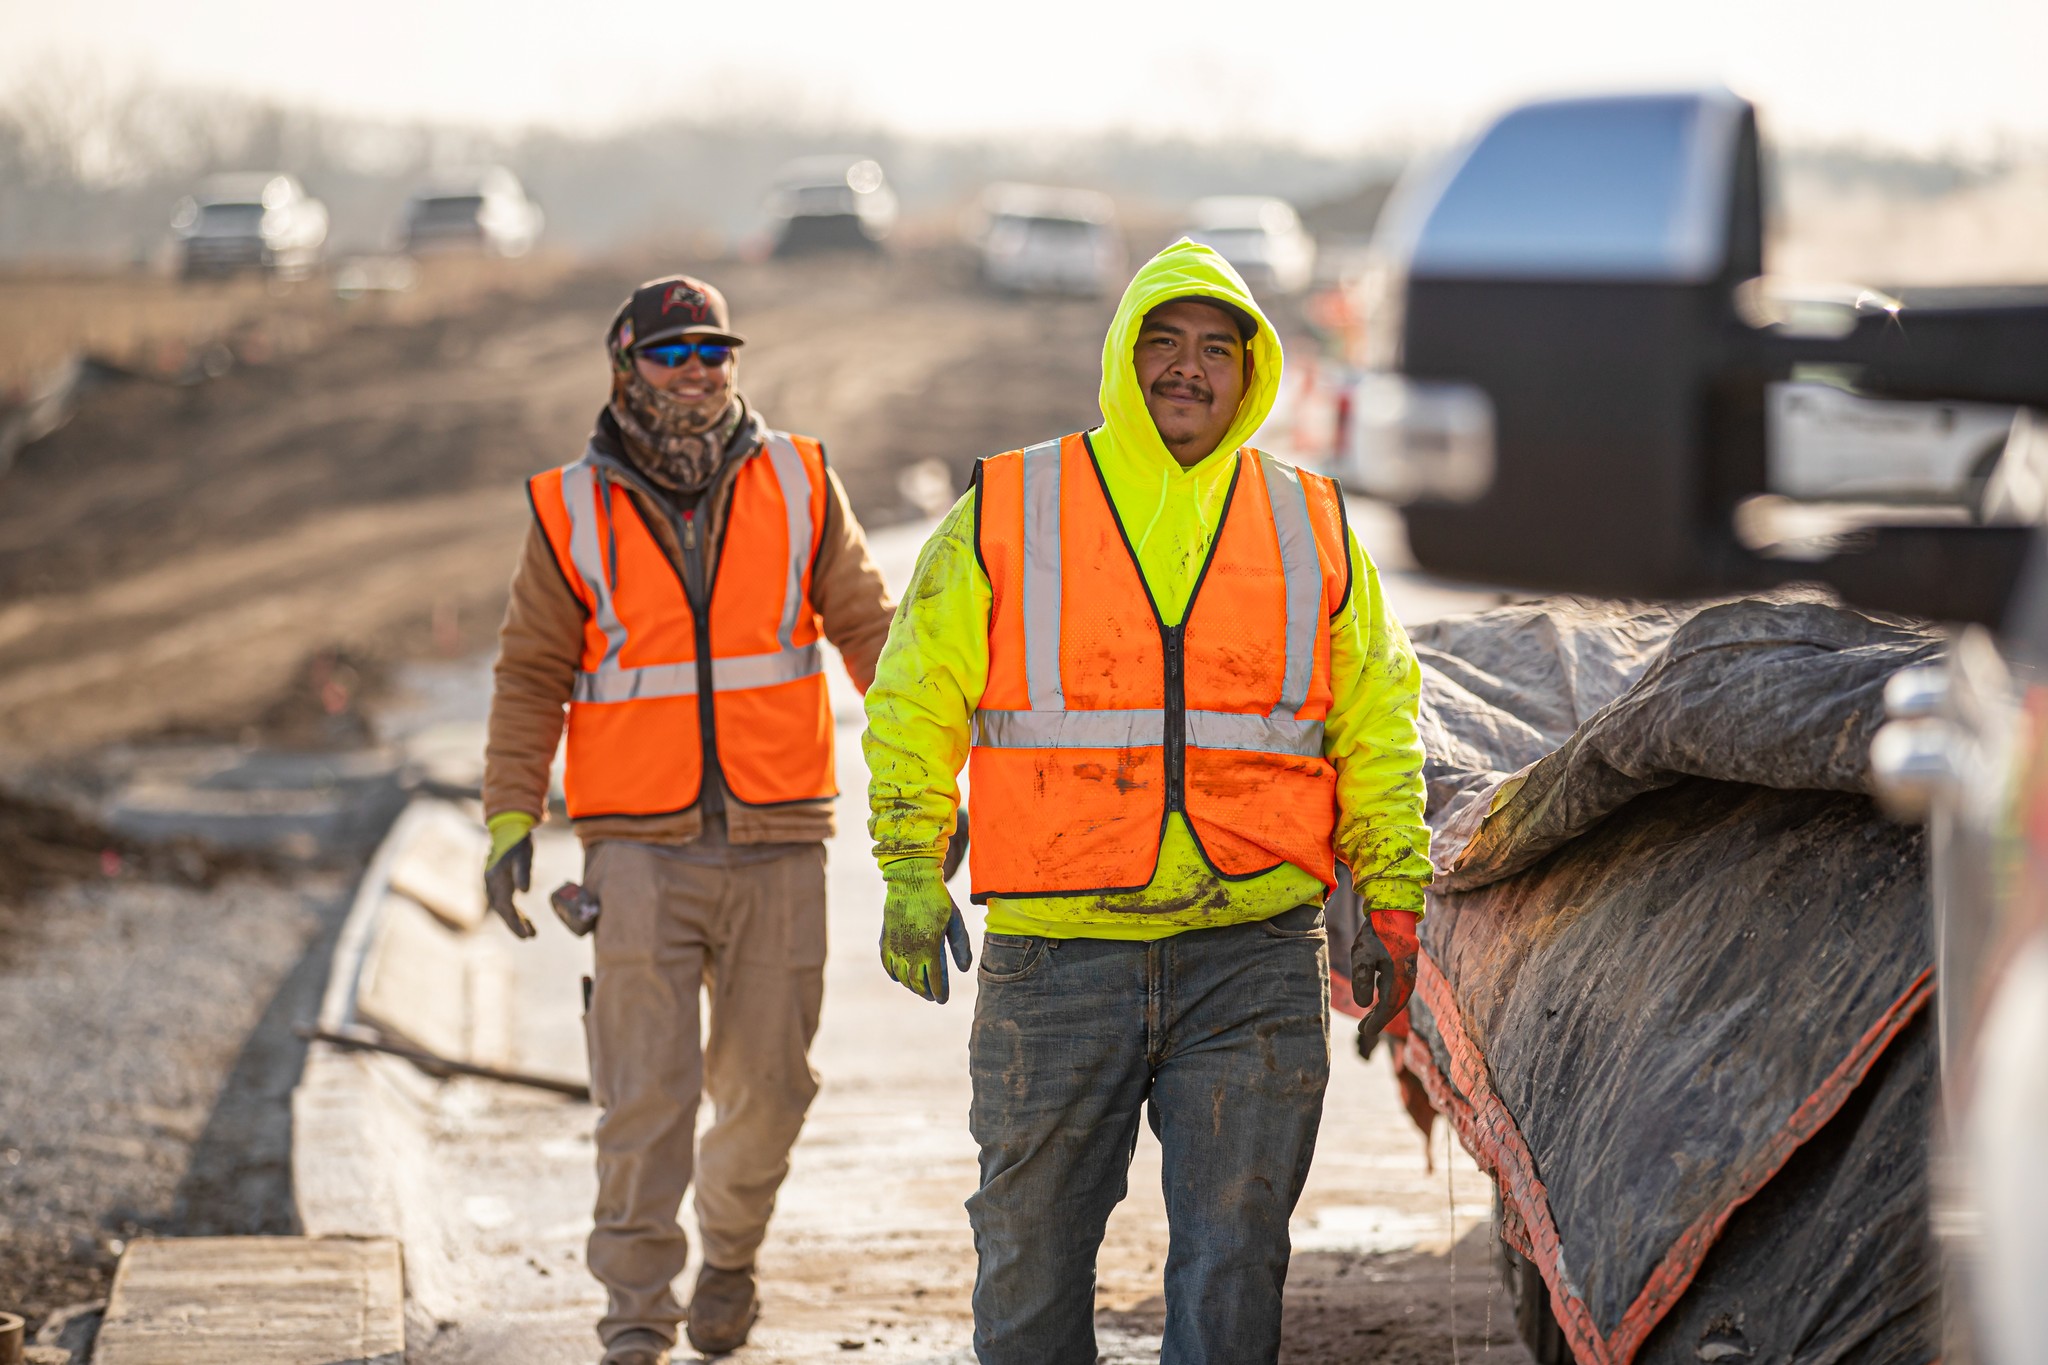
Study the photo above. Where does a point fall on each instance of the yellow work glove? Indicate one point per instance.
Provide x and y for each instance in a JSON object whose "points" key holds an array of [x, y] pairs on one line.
{"points": [[919, 922], [509, 867]]}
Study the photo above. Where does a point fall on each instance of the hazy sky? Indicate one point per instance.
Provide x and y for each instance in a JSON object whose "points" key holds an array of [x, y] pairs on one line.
{"points": [[1920, 73]]}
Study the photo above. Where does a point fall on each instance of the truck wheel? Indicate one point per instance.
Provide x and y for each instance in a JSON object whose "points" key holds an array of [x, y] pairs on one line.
{"points": [[1535, 1323]]}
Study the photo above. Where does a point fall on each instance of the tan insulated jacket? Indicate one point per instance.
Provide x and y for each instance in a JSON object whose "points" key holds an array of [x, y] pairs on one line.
{"points": [[541, 642]]}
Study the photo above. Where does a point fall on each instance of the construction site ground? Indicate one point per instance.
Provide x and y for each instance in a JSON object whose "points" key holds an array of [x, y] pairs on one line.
{"points": [[282, 557]]}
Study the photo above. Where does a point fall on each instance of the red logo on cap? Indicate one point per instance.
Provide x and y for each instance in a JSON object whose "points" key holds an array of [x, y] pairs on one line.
{"points": [[693, 303]]}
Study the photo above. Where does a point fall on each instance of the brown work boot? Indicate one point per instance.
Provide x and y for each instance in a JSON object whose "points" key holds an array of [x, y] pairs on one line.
{"points": [[722, 1310], [636, 1348]]}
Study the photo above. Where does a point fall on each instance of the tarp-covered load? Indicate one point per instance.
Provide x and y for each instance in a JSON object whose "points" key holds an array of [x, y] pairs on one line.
{"points": [[1676, 969]]}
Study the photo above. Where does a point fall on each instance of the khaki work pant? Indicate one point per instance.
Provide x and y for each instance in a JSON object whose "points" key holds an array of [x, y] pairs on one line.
{"points": [[755, 937]]}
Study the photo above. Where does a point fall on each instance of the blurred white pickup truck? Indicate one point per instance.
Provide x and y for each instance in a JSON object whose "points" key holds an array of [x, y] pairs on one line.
{"points": [[1827, 443]]}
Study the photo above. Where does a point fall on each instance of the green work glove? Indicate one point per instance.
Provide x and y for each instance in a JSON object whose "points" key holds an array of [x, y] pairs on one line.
{"points": [[509, 867], [919, 922]]}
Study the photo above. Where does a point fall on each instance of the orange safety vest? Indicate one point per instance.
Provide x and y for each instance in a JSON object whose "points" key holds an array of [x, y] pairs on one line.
{"points": [[1099, 719], [654, 672]]}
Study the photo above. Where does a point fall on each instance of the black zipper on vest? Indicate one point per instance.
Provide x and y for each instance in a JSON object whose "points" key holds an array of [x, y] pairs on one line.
{"points": [[690, 574], [1174, 639], [700, 623]]}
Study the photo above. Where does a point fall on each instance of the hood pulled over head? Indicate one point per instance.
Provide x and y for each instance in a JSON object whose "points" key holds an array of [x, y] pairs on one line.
{"points": [[1184, 270]]}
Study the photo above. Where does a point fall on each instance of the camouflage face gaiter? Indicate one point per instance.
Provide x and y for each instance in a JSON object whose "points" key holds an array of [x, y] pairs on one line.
{"points": [[678, 445]]}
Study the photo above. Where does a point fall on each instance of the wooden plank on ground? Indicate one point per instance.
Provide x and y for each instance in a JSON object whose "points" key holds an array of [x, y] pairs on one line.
{"points": [[274, 1300]]}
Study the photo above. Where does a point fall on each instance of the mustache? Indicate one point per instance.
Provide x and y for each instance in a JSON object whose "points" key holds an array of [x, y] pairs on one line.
{"points": [[1181, 388]]}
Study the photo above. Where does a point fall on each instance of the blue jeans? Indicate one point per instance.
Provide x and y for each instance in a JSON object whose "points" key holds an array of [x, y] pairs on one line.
{"points": [[1223, 1035]]}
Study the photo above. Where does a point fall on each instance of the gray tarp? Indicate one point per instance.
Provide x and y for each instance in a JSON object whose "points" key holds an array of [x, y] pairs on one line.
{"points": [[1675, 971]]}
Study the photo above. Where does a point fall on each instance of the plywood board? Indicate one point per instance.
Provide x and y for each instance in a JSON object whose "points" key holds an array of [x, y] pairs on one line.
{"points": [[278, 1300]]}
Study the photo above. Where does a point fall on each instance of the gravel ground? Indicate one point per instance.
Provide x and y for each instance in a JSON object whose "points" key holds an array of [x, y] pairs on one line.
{"points": [[149, 1060]]}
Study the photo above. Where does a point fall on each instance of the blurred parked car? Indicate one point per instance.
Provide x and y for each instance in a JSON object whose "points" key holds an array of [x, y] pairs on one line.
{"points": [[258, 221], [830, 203], [483, 211], [1262, 238], [1036, 239], [1386, 429]]}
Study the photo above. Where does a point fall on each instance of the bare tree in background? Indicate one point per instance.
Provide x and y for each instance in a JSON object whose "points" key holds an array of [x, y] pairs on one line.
{"points": [[91, 168]]}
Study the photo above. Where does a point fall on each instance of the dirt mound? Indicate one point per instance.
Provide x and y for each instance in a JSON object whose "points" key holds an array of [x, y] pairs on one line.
{"points": [[170, 559], [44, 845]]}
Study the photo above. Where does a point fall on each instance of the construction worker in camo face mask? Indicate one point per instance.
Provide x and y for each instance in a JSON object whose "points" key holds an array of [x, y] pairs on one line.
{"points": [[668, 608], [1182, 697]]}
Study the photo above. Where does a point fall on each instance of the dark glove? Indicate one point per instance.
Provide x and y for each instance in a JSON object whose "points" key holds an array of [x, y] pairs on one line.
{"points": [[956, 847], [510, 870], [1382, 971]]}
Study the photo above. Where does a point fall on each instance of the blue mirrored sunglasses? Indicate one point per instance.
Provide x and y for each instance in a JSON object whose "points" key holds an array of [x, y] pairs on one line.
{"points": [[673, 355]]}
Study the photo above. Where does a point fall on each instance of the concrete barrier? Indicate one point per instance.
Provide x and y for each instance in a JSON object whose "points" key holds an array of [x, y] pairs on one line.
{"points": [[423, 965]]}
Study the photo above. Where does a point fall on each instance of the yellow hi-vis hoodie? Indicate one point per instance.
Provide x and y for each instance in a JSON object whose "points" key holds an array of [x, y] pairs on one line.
{"points": [[933, 668]]}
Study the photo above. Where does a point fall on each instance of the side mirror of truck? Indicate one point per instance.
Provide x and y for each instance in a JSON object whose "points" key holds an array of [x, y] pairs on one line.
{"points": [[1576, 337]]}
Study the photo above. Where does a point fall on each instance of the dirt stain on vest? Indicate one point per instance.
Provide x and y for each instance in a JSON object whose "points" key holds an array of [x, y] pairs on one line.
{"points": [[1209, 901]]}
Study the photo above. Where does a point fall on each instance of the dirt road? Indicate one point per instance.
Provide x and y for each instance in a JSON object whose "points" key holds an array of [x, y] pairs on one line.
{"points": [[171, 561]]}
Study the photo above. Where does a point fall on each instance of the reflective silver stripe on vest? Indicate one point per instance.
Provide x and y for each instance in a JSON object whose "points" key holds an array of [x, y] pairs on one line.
{"points": [[1042, 577], [610, 681], [1304, 579], [1070, 729], [1048, 725], [680, 680], [796, 498], [580, 484], [1273, 734], [1136, 729]]}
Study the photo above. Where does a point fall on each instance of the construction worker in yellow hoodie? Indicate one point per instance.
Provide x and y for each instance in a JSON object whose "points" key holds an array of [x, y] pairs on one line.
{"points": [[1182, 698]]}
